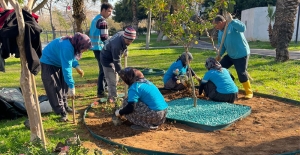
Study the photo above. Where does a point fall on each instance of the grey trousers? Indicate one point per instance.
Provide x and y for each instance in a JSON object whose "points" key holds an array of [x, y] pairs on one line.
{"points": [[112, 79], [56, 88]]}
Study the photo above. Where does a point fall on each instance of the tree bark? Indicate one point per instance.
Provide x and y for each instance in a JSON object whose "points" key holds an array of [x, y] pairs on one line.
{"points": [[78, 14], [283, 29], [36, 127], [148, 29]]}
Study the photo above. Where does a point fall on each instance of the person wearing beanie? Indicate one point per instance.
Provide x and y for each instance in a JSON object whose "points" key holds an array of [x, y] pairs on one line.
{"points": [[176, 76], [98, 34], [217, 83], [58, 59], [110, 58], [145, 106]]}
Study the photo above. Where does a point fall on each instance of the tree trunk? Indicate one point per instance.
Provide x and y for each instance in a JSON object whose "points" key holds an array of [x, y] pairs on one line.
{"points": [[78, 14], [36, 126], [148, 29], [51, 21], [283, 29], [135, 22], [160, 35]]}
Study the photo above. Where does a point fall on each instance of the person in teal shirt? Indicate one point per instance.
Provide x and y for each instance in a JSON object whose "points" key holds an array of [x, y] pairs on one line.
{"points": [[57, 60], [145, 106], [217, 83], [176, 76], [237, 48]]}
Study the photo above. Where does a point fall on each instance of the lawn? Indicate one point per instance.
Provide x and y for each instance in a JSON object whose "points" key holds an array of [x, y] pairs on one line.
{"points": [[270, 77]]}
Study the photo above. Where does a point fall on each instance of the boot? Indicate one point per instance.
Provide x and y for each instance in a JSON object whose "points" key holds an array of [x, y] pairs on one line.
{"points": [[248, 90]]}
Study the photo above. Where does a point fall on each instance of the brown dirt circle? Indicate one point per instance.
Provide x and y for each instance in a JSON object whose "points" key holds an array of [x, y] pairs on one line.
{"points": [[273, 127]]}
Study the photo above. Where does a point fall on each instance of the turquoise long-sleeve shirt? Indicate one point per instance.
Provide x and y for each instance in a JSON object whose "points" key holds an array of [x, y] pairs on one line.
{"points": [[60, 53], [235, 43]]}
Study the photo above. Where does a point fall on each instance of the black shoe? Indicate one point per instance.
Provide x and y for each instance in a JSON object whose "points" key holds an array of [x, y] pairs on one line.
{"points": [[70, 110], [63, 117]]}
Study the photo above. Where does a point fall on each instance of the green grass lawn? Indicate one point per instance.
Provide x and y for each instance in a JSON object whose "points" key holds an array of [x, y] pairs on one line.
{"points": [[270, 77]]}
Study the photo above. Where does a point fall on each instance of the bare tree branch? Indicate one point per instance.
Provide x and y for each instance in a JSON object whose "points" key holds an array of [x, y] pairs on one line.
{"points": [[38, 7]]}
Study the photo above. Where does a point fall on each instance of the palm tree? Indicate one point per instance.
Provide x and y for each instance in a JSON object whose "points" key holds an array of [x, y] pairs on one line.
{"points": [[283, 29], [271, 17]]}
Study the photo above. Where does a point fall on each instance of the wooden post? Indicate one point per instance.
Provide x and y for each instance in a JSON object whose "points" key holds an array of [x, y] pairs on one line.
{"points": [[26, 82], [126, 87]]}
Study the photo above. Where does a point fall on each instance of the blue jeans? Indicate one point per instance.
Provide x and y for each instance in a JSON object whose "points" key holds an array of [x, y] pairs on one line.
{"points": [[239, 64], [101, 79]]}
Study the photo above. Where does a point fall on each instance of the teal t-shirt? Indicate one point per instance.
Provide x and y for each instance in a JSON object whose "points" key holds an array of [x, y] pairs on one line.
{"points": [[147, 93], [222, 80]]}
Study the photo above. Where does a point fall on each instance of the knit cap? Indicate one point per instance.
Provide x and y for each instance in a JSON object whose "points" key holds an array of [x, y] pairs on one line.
{"points": [[129, 33]]}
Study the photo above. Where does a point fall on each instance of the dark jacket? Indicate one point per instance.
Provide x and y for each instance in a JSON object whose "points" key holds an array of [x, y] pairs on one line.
{"points": [[33, 48]]}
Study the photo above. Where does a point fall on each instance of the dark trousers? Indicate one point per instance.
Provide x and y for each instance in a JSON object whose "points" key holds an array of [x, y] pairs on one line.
{"points": [[101, 79], [210, 90], [56, 88], [239, 64]]}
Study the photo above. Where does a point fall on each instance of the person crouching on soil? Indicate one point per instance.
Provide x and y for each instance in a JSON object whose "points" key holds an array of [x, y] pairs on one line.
{"points": [[145, 106], [57, 60], [176, 76], [217, 83]]}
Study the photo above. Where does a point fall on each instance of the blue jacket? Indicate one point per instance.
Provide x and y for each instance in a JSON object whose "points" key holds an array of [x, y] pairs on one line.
{"points": [[60, 53], [97, 44], [235, 43]]}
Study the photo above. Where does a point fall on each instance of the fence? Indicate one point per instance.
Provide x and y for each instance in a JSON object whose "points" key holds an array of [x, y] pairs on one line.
{"points": [[47, 36]]}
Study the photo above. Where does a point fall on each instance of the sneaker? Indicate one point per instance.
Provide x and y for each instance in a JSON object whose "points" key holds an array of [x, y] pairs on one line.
{"points": [[138, 128], [64, 117], [70, 110]]}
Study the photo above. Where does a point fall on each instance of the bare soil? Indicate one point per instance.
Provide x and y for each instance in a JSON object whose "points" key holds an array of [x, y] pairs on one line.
{"points": [[273, 127]]}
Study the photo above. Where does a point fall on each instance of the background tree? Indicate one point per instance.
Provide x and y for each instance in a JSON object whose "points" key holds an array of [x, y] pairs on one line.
{"points": [[283, 29], [78, 14], [123, 13], [48, 6], [271, 18]]}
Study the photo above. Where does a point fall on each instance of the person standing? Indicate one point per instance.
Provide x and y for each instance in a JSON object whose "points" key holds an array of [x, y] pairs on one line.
{"points": [[57, 60], [110, 58], [98, 34], [237, 48]]}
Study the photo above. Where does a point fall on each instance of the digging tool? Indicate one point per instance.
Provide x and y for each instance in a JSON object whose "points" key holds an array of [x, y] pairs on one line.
{"points": [[125, 65], [73, 107]]}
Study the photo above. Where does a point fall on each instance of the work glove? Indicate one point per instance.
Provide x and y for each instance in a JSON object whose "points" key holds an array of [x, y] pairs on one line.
{"points": [[176, 72], [71, 92], [228, 17], [125, 54], [79, 71], [199, 79], [117, 113]]}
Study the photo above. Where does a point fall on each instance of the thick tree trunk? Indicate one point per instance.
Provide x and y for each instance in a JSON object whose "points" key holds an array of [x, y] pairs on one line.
{"points": [[283, 29], [78, 14], [160, 35]]}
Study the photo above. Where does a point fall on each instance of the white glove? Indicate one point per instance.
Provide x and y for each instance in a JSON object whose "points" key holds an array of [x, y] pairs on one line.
{"points": [[228, 17], [125, 54], [79, 71], [71, 92], [176, 71], [117, 113]]}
